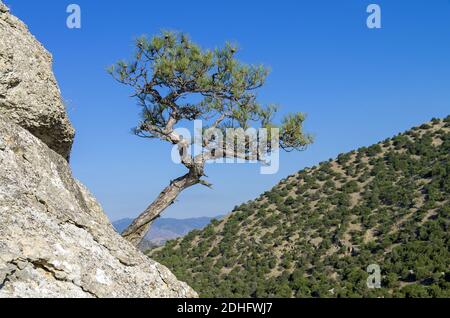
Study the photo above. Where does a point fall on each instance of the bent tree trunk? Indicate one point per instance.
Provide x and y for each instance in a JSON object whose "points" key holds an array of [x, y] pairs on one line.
{"points": [[139, 228]]}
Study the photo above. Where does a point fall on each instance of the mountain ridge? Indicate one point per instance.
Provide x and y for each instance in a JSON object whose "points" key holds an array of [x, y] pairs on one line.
{"points": [[164, 229]]}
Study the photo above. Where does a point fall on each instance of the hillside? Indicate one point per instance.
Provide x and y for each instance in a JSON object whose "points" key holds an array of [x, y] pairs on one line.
{"points": [[164, 229], [315, 233]]}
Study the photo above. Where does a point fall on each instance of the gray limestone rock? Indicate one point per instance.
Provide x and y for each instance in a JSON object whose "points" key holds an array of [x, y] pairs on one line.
{"points": [[29, 93], [55, 240]]}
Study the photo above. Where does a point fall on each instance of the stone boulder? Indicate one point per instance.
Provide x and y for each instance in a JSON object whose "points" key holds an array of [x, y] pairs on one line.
{"points": [[29, 94], [55, 240]]}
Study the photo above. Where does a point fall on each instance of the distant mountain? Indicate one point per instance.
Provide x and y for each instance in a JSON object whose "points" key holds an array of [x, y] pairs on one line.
{"points": [[122, 224], [164, 229], [385, 207]]}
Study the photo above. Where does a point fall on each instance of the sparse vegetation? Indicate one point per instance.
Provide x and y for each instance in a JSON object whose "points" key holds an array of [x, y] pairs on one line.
{"points": [[315, 233]]}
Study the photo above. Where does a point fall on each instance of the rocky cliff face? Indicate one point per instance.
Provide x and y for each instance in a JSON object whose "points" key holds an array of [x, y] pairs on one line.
{"points": [[29, 94], [55, 240]]}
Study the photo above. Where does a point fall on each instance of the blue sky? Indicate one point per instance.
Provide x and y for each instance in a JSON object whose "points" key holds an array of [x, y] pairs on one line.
{"points": [[357, 85]]}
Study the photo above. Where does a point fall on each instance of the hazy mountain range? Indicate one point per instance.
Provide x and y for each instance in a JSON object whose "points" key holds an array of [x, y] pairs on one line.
{"points": [[164, 229]]}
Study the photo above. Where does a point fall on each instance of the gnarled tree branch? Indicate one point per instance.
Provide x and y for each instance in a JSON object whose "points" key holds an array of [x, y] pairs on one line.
{"points": [[174, 80]]}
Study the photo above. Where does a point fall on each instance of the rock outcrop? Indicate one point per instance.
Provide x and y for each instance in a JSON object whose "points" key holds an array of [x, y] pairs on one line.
{"points": [[29, 94], [55, 240]]}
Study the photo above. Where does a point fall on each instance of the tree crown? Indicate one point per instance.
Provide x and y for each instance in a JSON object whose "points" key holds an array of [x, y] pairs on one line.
{"points": [[174, 80]]}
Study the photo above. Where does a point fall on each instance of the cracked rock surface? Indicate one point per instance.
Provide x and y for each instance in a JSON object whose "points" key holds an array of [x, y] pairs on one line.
{"points": [[29, 93], [55, 240]]}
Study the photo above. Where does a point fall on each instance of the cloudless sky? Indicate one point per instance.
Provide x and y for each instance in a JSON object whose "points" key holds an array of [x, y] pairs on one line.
{"points": [[357, 85]]}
